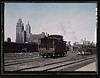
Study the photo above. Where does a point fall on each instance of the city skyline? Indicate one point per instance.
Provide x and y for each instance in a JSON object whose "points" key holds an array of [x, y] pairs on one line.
{"points": [[74, 21]]}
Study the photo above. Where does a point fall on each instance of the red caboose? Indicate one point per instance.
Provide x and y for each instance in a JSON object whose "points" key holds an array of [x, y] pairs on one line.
{"points": [[53, 45]]}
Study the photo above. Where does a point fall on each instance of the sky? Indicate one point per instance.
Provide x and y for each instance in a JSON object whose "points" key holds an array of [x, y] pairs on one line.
{"points": [[74, 21]]}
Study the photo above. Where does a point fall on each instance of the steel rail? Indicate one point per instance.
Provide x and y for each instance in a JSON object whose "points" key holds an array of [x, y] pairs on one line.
{"points": [[21, 61], [68, 62]]}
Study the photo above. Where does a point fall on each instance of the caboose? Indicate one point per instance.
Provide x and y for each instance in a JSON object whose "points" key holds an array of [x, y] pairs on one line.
{"points": [[53, 45]]}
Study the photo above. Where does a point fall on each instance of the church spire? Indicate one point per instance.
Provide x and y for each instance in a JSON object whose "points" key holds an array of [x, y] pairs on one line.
{"points": [[27, 23], [28, 31], [20, 20]]}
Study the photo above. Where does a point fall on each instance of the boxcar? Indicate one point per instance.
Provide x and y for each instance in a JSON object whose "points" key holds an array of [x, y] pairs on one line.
{"points": [[53, 45], [10, 47]]}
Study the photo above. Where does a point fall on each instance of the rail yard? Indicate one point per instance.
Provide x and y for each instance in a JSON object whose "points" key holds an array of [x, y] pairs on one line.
{"points": [[51, 55], [34, 62]]}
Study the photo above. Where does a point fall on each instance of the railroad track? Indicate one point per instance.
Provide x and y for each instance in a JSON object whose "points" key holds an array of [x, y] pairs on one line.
{"points": [[26, 60], [16, 56], [57, 65], [69, 67], [20, 61]]}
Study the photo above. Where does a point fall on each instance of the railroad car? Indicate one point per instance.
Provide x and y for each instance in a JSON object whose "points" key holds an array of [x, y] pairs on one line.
{"points": [[10, 47], [87, 50], [53, 45]]}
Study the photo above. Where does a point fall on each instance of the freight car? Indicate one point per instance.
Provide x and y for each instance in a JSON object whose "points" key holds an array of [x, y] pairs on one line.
{"points": [[87, 50], [10, 47], [53, 45]]}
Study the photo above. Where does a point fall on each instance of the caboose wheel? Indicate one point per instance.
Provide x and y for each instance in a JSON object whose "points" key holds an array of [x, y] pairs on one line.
{"points": [[46, 56], [51, 55], [43, 56]]}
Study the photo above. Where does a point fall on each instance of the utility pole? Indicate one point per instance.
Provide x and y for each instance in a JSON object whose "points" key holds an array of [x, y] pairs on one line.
{"points": [[38, 48], [53, 42]]}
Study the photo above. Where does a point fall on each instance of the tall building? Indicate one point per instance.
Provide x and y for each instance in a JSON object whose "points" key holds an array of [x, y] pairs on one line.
{"points": [[24, 36], [20, 31], [35, 38], [28, 32]]}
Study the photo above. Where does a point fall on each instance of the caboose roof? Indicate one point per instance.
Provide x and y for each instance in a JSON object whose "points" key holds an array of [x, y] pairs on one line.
{"points": [[56, 37], [45, 38], [60, 36]]}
